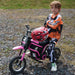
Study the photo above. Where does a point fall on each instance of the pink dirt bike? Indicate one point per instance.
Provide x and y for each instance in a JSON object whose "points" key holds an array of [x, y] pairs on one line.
{"points": [[38, 49]]}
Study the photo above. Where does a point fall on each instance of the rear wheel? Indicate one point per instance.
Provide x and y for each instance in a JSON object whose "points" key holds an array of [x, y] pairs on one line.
{"points": [[16, 65], [57, 53]]}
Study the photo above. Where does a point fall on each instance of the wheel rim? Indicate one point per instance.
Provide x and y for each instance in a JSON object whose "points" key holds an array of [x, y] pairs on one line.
{"points": [[18, 65]]}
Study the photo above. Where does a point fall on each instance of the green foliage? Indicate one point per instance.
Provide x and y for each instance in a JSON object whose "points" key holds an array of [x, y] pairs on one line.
{"points": [[33, 4]]}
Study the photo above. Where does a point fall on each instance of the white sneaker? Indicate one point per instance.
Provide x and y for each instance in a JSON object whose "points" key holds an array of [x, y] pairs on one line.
{"points": [[54, 67]]}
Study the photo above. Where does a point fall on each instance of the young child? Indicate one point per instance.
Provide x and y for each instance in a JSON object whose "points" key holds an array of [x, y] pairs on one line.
{"points": [[54, 24]]}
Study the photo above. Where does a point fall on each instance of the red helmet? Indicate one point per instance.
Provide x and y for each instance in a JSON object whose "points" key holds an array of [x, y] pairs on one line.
{"points": [[39, 34]]}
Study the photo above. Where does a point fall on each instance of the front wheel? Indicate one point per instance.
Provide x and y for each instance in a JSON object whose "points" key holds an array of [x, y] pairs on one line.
{"points": [[16, 65]]}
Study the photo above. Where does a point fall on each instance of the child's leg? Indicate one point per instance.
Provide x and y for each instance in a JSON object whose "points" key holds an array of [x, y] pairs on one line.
{"points": [[51, 50]]}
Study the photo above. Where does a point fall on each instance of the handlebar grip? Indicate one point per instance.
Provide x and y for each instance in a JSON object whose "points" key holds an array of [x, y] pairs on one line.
{"points": [[27, 26]]}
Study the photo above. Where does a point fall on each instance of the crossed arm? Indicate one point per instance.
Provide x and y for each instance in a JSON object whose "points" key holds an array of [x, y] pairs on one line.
{"points": [[55, 24]]}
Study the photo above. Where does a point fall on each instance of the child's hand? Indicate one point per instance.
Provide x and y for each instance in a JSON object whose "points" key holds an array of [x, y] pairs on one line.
{"points": [[47, 26]]}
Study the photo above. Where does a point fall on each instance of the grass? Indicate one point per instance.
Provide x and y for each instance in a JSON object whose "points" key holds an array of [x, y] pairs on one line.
{"points": [[33, 4]]}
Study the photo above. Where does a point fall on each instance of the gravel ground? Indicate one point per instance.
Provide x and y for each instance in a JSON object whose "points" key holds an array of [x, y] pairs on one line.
{"points": [[12, 29]]}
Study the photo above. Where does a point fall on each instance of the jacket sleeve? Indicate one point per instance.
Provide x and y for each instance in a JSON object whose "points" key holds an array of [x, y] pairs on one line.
{"points": [[46, 21], [48, 18], [55, 24]]}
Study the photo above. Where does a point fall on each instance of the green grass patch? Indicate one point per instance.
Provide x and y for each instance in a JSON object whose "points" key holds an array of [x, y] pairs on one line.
{"points": [[33, 4]]}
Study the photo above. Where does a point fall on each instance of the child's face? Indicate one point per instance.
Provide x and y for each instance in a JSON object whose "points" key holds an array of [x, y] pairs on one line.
{"points": [[54, 10]]}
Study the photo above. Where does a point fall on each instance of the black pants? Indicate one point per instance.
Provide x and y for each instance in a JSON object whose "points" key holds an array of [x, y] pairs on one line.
{"points": [[51, 49]]}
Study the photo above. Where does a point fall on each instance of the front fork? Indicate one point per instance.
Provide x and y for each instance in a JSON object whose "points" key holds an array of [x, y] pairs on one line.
{"points": [[22, 54]]}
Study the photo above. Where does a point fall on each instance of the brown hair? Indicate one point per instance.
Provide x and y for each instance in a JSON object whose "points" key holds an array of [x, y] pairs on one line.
{"points": [[56, 3]]}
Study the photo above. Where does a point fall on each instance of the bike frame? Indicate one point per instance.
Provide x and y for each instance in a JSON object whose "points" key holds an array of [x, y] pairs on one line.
{"points": [[32, 42], [36, 43]]}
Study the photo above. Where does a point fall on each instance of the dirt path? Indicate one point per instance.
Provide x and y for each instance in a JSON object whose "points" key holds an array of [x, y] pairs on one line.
{"points": [[12, 29]]}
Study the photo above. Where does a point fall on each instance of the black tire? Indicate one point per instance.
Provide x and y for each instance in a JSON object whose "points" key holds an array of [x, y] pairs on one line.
{"points": [[57, 53], [16, 60], [46, 50]]}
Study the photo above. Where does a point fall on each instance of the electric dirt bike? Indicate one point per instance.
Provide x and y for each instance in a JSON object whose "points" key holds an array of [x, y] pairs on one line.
{"points": [[37, 46]]}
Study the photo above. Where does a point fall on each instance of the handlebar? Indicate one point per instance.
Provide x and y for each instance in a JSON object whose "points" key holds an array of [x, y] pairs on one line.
{"points": [[27, 26], [28, 29]]}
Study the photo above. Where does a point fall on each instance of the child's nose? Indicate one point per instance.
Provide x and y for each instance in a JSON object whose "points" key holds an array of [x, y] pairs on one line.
{"points": [[53, 9]]}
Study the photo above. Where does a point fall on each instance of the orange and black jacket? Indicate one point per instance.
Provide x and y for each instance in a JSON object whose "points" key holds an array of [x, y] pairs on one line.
{"points": [[55, 23]]}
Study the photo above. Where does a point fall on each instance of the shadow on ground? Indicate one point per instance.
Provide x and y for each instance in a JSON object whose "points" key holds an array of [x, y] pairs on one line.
{"points": [[45, 70]]}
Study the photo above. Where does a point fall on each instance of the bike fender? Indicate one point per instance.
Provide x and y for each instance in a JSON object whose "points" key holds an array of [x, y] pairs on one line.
{"points": [[18, 47]]}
